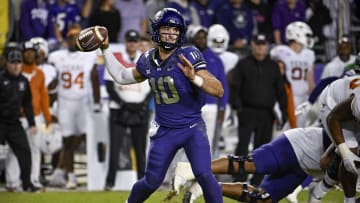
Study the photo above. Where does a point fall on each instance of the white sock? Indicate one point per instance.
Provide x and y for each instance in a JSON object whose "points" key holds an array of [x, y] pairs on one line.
{"points": [[320, 190], [71, 177], [350, 199]]}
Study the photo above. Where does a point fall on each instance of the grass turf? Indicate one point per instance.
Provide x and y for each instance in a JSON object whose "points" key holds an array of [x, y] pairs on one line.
{"points": [[335, 196]]}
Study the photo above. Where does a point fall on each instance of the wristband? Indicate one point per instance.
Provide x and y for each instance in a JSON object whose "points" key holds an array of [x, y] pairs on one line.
{"points": [[343, 149], [198, 81]]}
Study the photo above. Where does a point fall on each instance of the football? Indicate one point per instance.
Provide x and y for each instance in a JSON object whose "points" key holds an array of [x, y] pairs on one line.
{"points": [[91, 38]]}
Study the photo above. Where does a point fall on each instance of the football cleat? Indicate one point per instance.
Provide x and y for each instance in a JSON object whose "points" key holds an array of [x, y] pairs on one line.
{"points": [[193, 193], [57, 180], [183, 173], [312, 198], [71, 185]]}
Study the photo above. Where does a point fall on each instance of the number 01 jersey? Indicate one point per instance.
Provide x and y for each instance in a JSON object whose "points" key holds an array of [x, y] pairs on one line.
{"points": [[178, 101], [297, 66], [73, 70]]}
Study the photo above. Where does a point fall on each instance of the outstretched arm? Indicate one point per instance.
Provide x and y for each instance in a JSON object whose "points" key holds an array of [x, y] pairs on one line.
{"points": [[118, 72]]}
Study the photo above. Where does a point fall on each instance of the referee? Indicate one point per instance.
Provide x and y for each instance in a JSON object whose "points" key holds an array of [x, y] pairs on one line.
{"points": [[255, 85], [15, 96]]}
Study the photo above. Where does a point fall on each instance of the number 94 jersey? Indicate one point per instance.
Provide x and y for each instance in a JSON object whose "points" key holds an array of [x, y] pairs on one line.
{"points": [[73, 69], [297, 66]]}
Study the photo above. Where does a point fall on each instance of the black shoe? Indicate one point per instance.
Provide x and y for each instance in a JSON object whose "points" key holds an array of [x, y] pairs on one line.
{"points": [[108, 187], [33, 189], [187, 197]]}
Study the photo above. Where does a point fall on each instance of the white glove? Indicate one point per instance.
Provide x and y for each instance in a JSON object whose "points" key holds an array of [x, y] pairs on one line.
{"points": [[349, 158], [303, 108]]}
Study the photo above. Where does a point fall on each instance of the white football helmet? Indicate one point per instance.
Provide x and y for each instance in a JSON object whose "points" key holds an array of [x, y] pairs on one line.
{"points": [[218, 38], [50, 139], [301, 33], [42, 44]]}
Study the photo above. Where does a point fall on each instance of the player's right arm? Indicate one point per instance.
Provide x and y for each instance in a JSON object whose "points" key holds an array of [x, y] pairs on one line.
{"points": [[341, 113], [118, 72]]}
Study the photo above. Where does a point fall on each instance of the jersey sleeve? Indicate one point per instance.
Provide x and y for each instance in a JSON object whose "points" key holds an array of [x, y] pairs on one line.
{"points": [[276, 53], [355, 107], [141, 63], [195, 57]]}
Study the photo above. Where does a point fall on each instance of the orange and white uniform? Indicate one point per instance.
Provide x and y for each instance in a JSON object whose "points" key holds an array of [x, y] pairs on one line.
{"points": [[74, 88]]}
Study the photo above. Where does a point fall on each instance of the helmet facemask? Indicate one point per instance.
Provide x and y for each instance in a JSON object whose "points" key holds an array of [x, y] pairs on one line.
{"points": [[172, 18]]}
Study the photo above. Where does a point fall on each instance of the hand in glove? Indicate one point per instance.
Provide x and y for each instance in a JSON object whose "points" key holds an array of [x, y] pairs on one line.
{"points": [[349, 158], [303, 108]]}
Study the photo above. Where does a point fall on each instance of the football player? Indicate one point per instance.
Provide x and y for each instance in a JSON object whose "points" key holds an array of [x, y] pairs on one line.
{"points": [[77, 79], [339, 113], [179, 80], [296, 61], [286, 162]]}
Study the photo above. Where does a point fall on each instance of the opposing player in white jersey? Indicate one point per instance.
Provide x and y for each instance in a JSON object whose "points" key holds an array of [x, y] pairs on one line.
{"points": [[296, 61], [336, 67], [77, 81], [218, 41], [340, 113], [286, 161]]}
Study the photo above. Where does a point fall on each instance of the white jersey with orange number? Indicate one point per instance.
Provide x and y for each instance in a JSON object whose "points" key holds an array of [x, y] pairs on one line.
{"points": [[297, 66], [334, 94], [74, 70]]}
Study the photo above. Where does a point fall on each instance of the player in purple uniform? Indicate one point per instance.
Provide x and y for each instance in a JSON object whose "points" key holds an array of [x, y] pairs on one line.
{"points": [[179, 80], [286, 161]]}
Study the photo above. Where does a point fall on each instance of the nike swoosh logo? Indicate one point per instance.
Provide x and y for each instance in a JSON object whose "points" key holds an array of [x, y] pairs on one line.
{"points": [[193, 125]]}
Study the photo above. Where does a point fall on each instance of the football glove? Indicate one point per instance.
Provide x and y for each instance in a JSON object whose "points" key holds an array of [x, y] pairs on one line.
{"points": [[349, 158]]}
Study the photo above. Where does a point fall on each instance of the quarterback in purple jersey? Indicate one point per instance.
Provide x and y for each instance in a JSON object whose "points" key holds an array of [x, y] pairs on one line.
{"points": [[179, 80]]}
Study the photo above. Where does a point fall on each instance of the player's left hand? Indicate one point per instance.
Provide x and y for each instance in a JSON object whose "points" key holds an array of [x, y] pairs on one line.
{"points": [[186, 67]]}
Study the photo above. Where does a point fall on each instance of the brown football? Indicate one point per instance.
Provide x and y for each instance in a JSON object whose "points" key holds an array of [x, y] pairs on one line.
{"points": [[91, 38]]}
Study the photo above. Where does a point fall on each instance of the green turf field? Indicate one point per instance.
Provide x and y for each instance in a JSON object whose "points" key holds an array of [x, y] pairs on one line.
{"points": [[334, 196]]}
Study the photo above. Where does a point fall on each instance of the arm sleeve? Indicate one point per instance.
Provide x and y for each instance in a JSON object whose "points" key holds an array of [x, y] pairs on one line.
{"points": [[27, 105], [118, 72], [44, 101], [319, 88]]}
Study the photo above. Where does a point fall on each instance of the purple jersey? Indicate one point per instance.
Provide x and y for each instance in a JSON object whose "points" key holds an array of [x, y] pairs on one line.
{"points": [[216, 67], [65, 16], [178, 101], [35, 20], [282, 16]]}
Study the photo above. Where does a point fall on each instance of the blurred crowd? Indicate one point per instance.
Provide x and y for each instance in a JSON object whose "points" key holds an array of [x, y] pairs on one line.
{"points": [[50, 19], [231, 34]]}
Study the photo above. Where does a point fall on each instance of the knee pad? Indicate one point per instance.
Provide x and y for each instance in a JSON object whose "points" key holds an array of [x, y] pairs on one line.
{"points": [[254, 196], [240, 160]]}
